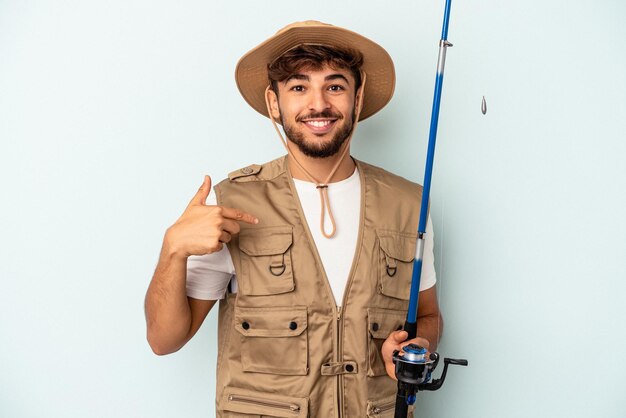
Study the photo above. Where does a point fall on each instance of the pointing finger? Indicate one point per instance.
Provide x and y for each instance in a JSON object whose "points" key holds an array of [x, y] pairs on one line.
{"points": [[239, 215]]}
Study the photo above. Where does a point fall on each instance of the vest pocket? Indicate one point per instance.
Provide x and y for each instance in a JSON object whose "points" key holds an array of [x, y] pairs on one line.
{"points": [[380, 323], [267, 334], [395, 262], [249, 404], [266, 260]]}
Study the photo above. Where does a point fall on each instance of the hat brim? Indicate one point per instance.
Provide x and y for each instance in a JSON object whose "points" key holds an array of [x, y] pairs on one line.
{"points": [[251, 71]]}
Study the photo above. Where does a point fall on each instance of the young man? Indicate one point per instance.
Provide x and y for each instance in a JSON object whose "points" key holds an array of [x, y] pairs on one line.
{"points": [[314, 281]]}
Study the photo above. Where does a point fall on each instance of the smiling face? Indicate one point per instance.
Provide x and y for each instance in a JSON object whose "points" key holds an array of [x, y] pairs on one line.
{"points": [[316, 109]]}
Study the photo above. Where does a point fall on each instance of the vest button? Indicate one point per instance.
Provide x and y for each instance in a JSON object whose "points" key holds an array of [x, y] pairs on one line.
{"points": [[245, 325], [247, 170], [293, 326], [349, 368], [375, 326]]}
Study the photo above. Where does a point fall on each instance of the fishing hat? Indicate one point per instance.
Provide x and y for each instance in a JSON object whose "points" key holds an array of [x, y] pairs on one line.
{"points": [[251, 72]]}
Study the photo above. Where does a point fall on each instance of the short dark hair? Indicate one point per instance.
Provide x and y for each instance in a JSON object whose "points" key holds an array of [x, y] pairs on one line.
{"points": [[314, 57]]}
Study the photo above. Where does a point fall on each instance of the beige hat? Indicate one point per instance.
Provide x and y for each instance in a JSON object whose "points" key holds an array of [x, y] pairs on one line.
{"points": [[251, 72]]}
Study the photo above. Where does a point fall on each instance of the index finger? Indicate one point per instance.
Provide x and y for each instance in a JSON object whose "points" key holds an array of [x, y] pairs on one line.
{"points": [[239, 215]]}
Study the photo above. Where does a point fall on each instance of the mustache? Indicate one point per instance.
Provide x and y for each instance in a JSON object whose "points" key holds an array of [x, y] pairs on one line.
{"points": [[325, 114]]}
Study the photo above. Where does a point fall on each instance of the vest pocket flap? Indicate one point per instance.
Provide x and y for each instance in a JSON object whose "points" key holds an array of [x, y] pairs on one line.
{"points": [[264, 404], [382, 322], [266, 241], [288, 321], [398, 245]]}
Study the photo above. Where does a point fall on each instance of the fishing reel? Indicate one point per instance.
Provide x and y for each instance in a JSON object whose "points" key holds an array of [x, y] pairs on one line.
{"points": [[413, 371]]}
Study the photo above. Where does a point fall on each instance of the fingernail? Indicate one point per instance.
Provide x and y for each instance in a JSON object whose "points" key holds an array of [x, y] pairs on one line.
{"points": [[256, 220]]}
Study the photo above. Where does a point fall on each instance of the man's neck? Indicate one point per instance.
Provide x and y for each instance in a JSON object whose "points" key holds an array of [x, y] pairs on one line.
{"points": [[320, 168]]}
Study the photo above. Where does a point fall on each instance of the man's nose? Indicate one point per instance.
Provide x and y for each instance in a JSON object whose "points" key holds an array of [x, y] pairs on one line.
{"points": [[318, 101]]}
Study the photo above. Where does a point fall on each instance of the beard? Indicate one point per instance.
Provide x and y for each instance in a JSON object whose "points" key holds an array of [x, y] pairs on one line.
{"points": [[319, 150]]}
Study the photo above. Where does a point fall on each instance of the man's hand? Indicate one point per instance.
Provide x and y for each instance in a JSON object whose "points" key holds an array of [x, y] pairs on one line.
{"points": [[204, 229], [396, 341], [173, 318]]}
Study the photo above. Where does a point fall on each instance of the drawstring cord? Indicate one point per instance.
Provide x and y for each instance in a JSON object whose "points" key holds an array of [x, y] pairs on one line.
{"points": [[322, 187]]}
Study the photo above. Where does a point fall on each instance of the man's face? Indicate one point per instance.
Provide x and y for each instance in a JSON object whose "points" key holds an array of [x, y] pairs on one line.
{"points": [[316, 109]]}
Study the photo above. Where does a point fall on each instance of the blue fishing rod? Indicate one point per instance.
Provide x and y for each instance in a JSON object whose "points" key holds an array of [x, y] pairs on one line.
{"points": [[413, 365]]}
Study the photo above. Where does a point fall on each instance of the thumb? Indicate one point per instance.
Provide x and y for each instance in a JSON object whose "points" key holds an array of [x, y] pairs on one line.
{"points": [[202, 193]]}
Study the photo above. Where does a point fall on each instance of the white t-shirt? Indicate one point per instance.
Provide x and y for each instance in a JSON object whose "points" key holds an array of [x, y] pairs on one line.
{"points": [[208, 275]]}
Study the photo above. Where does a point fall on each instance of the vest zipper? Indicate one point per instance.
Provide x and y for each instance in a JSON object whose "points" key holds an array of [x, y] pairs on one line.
{"points": [[338, 333], [265, 402], [355, 261], [383, 408], [340, 397]]}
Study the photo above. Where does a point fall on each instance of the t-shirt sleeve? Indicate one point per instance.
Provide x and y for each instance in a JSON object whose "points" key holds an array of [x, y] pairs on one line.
{"points": [[208, 275], [429, 277]]}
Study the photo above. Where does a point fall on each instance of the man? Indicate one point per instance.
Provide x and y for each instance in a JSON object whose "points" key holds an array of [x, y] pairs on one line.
{"points": [[309, 313]]}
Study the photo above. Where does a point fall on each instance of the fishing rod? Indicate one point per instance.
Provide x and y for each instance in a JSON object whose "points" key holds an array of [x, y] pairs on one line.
{"points": [[413, 365]]}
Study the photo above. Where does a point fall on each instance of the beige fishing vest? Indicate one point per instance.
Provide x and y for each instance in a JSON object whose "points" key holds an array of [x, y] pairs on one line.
{"points": [[285, 349]]}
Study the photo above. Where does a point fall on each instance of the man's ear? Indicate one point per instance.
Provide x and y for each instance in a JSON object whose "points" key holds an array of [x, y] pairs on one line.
{"points": [[357, 100], [358, 97], [273, 101]]}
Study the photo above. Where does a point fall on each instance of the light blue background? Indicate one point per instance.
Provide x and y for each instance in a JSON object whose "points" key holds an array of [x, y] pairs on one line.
{"points": [[111, 112]]}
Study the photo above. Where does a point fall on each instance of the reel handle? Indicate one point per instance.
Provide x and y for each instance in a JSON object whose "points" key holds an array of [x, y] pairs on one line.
{"points": [[437, 383], [457, 362]]}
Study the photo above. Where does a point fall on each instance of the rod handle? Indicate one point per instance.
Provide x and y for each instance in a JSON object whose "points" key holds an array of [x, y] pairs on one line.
{"points": [[411, 328]]}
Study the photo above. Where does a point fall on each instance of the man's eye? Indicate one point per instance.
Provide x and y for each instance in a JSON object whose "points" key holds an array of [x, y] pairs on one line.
{"points": [[297, 88], [336, 87]]}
